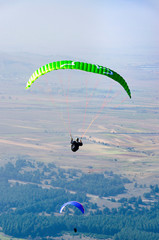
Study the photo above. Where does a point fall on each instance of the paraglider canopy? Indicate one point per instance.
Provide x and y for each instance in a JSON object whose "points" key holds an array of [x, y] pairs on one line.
{"points": [[74, 203], [88, 67], [72, 65]]}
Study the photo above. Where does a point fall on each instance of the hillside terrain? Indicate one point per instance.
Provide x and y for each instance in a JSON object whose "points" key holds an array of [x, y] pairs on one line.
{"points": [[120, 151]]}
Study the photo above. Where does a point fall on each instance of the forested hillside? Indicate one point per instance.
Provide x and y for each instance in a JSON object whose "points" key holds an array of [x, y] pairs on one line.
{"points": [[33, 192]]}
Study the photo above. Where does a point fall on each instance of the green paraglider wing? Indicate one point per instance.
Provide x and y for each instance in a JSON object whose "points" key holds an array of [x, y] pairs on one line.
{"points": [[88, 67]]}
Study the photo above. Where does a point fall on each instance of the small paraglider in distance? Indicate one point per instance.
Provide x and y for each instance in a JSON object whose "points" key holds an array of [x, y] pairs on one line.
{"points": [[76, 204], [75, 144]]}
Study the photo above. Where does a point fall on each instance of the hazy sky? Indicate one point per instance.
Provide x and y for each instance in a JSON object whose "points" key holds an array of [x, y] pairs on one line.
{"points": [[79, 27]]}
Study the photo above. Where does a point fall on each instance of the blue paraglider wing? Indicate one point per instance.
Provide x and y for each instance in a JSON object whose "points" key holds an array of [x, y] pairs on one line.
{"points": [[74, 203]]}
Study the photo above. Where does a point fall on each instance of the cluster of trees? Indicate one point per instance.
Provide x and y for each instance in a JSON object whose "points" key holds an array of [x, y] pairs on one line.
{"points": [[96, 184], [30, 198], [72, 180], [154, 190], [137, 225], [31, 210]]}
